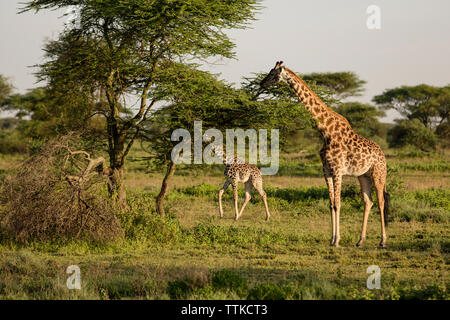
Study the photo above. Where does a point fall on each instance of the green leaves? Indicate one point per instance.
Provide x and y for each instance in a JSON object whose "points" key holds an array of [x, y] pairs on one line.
{"points": [[5, 88], [362, 117], [166, 28], [426, 103], [414, 133], [340, 85], [50, 112], [119, 45]]}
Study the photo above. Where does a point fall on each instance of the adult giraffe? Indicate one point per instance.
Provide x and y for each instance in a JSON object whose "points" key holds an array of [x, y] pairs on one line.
{"points": [[344, 153]]}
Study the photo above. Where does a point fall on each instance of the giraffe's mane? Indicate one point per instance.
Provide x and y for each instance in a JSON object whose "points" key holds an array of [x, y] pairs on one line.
{"points": [[304, 83], [292, 73]]}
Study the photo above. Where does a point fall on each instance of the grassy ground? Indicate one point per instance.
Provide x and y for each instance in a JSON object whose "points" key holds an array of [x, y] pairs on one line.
{"points": [[194, 254]]}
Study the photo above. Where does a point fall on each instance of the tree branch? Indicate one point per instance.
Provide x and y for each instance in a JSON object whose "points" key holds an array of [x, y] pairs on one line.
{"points": [[138, 129]]}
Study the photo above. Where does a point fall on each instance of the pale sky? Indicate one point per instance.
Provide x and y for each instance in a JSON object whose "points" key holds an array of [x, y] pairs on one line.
{"points": [[412, 46]]}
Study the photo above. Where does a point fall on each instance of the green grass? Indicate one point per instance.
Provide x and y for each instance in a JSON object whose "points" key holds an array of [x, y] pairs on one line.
{"points": [[427, 166], [193, 254]]}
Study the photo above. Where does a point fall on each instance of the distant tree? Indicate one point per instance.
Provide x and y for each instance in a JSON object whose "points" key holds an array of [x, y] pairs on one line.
{"points": [[9, 123], [341, 85], [442, 105], [118, 47], [429, 104], [49, 112], [412, 132], [443, 133], [362, 117], [5, 88]]}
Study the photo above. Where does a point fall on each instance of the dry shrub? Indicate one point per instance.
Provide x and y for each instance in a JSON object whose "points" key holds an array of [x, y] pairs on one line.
{"points": [[59, 193]]}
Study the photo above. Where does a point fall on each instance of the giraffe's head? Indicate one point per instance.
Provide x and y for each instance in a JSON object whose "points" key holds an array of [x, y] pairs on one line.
{"points": [[275, 75]]}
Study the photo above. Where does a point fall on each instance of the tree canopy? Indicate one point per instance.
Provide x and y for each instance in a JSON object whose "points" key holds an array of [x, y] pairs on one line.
{"points": [[118, 48], [362, 117], [49, 113], [5, 88], [340, 84], [429, 104]]}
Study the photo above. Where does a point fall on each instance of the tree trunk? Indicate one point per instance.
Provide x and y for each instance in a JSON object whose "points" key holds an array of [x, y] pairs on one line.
{"points": [[116, 187], [162, 194], [116, 161]]}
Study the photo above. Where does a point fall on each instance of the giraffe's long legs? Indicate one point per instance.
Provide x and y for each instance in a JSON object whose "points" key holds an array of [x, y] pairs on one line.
{"points": [[221, 191], [235, 196], [258, 186], [248, 196], [366, 187], [329, 181], [337, 184], [379, 180]]}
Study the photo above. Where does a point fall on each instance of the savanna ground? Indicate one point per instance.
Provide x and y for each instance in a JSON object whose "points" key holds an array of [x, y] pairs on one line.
{"points": [[193, 254]]}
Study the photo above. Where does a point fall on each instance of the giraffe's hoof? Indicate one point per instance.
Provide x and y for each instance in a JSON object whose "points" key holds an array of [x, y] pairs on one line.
{"points": [[360, 242], [336, 242], [383, 241], [267, 219]]}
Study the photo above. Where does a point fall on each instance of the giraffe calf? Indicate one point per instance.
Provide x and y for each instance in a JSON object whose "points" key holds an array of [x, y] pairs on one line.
{"points": [[238, 171], [248, 174]]}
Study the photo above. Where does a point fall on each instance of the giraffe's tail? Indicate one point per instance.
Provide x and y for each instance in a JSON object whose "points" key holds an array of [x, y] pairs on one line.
{"points": [[387, 200]]}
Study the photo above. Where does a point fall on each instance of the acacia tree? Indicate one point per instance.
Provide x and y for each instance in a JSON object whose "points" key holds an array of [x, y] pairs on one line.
{"points": [[117, 47], [340, 85], [50, 112], [5, 88], [429, 104], [362, 117]]}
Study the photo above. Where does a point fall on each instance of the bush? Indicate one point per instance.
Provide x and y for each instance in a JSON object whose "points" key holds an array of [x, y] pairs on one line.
{"points": [[141, 222], [47, 198], [11, 142], [196, 283], [443, 132], [179, 289], [267, 291], [431, 292], [116, 289], [380, 141], [228, 279], [412, 132]]}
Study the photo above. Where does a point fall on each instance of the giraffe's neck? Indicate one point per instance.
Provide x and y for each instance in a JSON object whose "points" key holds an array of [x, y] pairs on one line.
{"points": [[325, 116], [218, 150]]}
